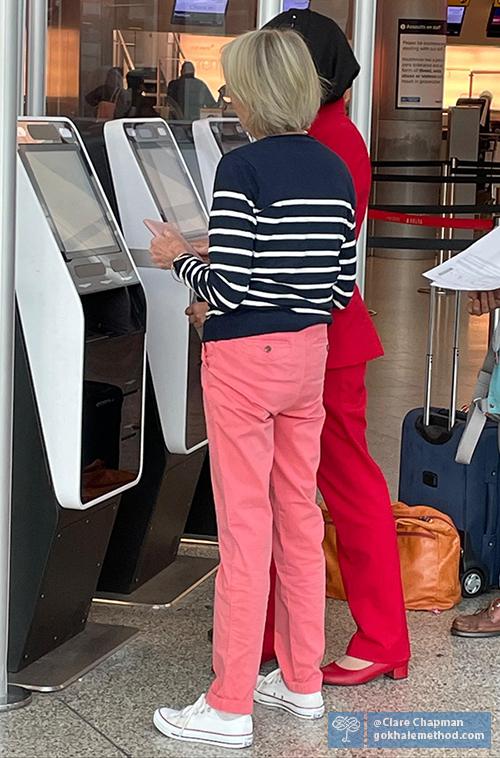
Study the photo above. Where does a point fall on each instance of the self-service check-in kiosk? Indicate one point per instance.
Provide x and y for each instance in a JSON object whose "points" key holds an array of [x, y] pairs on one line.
{"points": [[213, 138], [151, 181], [78, 404]]}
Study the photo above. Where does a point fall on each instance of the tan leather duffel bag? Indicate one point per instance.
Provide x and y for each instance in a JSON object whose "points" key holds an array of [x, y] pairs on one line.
{"points": [[429, 549]]}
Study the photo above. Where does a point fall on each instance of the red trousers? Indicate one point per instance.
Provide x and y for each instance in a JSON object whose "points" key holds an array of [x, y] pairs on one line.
{"points": [[356, 495]]}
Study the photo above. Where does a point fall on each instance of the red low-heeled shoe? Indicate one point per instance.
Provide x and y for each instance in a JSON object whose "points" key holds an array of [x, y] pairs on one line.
{"points": [[335, 674]]}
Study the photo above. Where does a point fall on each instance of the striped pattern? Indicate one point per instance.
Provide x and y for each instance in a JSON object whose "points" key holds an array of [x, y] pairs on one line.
{"points": [[295, 255]]}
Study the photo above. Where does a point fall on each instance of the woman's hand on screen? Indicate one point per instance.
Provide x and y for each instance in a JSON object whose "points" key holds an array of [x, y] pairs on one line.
{"points": [[167, 247]]}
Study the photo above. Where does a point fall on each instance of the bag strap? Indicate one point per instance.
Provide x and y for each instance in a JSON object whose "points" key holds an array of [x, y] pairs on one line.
{"points": [[476, 420]]}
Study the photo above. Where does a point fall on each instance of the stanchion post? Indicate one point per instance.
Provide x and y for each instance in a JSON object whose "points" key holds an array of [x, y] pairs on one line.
{"points": [[445, 173], [10, 697], [451, 201]]}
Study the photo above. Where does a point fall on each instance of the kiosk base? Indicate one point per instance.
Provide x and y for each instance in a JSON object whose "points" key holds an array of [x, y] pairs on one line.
{"points": [[16, 698], [169, 586], [75, 658]]}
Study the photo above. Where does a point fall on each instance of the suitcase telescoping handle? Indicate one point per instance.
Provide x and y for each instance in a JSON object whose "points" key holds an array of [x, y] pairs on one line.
{"points": [[434, 297]]}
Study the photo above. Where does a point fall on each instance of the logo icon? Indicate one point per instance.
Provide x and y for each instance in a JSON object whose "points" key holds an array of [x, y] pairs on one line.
{"points": [[346, 730]]}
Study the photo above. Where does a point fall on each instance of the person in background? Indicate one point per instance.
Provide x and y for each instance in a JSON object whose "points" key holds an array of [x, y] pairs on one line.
{"points": [[484, 623], [105, 97], [352, 484], [190, 94], [134, 103], [282, 255]]}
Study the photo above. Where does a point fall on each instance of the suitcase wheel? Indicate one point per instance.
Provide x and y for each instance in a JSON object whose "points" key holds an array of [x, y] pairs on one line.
{"points": [[473, 583]]}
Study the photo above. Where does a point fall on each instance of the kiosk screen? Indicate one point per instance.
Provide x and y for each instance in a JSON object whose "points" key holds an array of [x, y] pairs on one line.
{"points": [[493, 28], [229, 136], [456, 14], [66, 191], [183, 134], [172, 188]]}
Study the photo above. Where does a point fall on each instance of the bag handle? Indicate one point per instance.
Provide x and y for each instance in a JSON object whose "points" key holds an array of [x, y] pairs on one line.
{"points": [[414, 523], [434, 294]]}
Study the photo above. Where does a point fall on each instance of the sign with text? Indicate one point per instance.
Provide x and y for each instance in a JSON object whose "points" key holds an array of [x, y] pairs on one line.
{"points": [[421, 64]]}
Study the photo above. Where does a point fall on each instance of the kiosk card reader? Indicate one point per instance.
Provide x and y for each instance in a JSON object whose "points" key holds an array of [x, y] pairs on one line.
{"points": [[79, 393], [213, 138], [151, 181]]}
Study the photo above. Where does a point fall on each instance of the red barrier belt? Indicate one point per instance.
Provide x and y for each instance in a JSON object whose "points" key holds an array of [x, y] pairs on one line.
{"points": [[438, 222]]}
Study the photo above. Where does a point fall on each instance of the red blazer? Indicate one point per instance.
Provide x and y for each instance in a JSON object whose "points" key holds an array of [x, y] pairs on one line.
{"points": [[352, 336]]}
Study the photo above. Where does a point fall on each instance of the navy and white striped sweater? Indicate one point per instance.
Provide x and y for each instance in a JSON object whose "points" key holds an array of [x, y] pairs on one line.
{"points": [[282, 240]]}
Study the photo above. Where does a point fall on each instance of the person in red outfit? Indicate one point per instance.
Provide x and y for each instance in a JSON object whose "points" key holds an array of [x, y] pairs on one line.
{"points": [[352, 484]]}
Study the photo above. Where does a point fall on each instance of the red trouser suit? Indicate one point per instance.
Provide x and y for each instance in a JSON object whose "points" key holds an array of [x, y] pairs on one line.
{"points": [[353, 486]]}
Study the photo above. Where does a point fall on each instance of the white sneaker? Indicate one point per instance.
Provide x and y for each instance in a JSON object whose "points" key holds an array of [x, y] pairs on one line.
{"points": [[201, 723], [272, 691]]}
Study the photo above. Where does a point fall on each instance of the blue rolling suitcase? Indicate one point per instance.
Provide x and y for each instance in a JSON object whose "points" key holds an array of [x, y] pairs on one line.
{"points": [[469, 494]]}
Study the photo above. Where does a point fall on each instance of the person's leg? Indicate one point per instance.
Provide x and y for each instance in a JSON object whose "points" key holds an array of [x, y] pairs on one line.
{"points": [[268, 653], [358, 500], [299, 530], [240, 433]]}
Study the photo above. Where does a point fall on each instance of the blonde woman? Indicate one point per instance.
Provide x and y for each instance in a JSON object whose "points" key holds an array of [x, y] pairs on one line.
{"points": [[282, 255]]}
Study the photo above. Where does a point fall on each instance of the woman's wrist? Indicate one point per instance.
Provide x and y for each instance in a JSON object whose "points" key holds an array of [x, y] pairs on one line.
{"points": [[185, 254]]}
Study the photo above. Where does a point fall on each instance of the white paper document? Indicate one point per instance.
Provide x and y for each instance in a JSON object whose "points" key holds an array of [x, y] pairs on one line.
{"points": [[477, 268]]}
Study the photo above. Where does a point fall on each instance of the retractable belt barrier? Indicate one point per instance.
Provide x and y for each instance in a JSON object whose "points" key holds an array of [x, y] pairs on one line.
{"points": [[431, 221], [440, 217], [437, 222], [435, 164], [456, 178], [436, 209], [412, 243]]}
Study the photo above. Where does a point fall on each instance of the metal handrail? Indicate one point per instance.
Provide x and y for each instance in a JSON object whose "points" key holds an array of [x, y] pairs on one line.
{"points": [[177, 38], [479, 72], [119, 39]]}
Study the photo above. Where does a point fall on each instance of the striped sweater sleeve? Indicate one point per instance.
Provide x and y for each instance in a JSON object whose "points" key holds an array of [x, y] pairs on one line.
{"points": [[343, 289], [225, 280]]}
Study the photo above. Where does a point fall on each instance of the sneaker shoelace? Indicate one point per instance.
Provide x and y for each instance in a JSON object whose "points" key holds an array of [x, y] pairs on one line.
{"points": [[274, 678], [201, 706]]}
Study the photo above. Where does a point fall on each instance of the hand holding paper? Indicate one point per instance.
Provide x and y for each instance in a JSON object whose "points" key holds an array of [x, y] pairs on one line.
{"points": [[477, 269]]}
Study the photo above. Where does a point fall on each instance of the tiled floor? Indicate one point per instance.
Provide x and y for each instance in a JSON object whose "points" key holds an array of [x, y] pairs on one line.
{"points": [[109, 712]]}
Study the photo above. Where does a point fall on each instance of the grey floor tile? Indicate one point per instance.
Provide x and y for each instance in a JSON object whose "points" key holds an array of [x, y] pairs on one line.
{"points": [[48, 727]]}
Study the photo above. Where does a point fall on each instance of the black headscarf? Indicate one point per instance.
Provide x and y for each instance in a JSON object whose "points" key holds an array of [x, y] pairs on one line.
{"points": [[330, 49]]}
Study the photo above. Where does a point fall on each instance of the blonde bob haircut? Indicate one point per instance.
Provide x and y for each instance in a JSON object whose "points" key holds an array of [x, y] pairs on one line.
{"points": [[272, 74]]}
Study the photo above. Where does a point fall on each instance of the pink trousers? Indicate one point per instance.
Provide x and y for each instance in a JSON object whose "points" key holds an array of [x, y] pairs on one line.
{"points": [[264, 409]]}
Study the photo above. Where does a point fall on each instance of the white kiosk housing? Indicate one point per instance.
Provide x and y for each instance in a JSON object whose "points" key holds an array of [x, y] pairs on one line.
{"points": [[78, 400], [151, 181], [213, 138]]}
